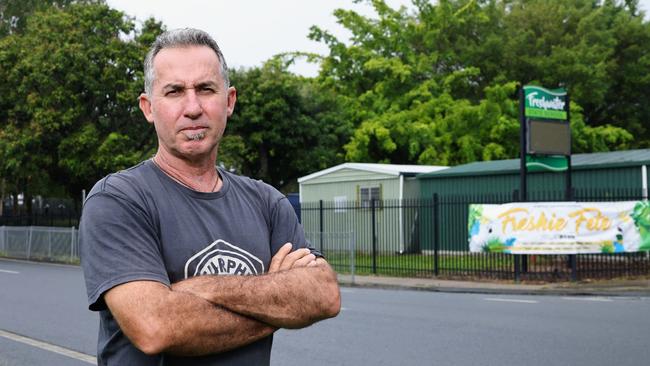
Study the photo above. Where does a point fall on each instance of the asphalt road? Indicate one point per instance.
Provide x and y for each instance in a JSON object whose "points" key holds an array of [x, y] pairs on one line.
{"points": [[46, 304]]}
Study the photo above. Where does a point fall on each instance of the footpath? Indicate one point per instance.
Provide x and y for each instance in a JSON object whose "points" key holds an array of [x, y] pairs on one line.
{"points": [[616, 287]]}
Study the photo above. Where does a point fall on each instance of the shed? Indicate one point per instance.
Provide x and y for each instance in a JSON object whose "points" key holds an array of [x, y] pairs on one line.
{"points": [[603, 176], [607, 173], [363, 182], [344, 198]]}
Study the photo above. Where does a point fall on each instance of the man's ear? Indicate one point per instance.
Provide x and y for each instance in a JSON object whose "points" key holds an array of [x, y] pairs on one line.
{"points": [[232, 99], [145, 107]]}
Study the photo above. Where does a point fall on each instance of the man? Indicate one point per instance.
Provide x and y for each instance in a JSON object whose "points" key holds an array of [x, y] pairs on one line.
{"points": [[188, 264]]}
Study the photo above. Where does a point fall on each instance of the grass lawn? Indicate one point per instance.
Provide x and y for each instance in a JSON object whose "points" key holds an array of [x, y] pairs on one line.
{"points": [[417, 265]]}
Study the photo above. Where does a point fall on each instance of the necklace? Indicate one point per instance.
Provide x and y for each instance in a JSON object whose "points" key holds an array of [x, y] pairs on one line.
{"points": [[180, 180], [216, 182]]}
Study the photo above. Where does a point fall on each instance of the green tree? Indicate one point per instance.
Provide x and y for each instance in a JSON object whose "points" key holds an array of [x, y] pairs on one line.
{"points": [[68, 101], [436, 84], [14, 13], [599, 51], [283, 127]]}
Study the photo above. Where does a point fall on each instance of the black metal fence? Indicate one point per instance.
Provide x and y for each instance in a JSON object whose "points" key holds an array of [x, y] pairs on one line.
{"points": [[429, 237], [54, 212]]}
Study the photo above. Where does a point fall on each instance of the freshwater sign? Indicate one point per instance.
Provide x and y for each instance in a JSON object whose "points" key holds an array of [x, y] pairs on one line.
{"points": [[560, 227], [544, 103]]}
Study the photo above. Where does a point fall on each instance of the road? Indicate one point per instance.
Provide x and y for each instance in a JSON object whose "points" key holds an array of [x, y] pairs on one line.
{"points": [[46, 304]]}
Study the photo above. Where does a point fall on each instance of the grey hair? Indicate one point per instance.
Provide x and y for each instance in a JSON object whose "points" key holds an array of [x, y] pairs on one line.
{"points": [[183, 37]]}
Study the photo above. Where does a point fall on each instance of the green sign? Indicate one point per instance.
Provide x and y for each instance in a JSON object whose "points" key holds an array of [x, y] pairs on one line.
{"points": [[549, 137], [544, 103], [546, 163]]}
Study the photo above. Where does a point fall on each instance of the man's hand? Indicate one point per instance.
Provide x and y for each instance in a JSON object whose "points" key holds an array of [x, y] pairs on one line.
{"points": [[284, 259], [298, 290]]}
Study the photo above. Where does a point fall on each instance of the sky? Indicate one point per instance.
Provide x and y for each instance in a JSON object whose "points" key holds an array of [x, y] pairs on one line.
{"points": [[250, 32]]}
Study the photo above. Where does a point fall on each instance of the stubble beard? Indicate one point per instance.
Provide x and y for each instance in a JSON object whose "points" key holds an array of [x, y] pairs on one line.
{"points": [[195, 136]]}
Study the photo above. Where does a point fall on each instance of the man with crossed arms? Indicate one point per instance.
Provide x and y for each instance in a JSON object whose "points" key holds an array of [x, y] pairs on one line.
{"points": [[186, 263]]}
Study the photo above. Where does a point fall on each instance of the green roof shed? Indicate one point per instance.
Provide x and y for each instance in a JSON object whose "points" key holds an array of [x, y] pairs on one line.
{"points": [[605, 173]]}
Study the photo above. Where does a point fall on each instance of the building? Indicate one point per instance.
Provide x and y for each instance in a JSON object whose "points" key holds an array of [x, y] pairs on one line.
{"points": [[352, 197]]}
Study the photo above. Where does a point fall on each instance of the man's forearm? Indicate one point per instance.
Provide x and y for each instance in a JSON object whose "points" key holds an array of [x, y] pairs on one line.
{"points": [[292, 298], [214, 329], [179, 323]]}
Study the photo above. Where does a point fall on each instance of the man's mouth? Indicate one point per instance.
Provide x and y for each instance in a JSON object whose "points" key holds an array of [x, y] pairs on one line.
{"points": [[194, 133], [196, 136]]}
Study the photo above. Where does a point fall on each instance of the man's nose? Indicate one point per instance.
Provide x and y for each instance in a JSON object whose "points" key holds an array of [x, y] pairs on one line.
{"points": [[193, 107]]}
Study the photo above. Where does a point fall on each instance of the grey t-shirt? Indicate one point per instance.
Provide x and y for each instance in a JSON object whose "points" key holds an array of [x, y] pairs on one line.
{"points": [[139, 224]]}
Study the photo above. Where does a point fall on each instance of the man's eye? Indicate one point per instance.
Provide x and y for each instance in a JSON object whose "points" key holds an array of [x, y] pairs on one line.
{"points": [[206, 90], [172, 92]]}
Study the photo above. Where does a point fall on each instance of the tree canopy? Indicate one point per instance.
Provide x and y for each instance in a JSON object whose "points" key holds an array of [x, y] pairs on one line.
{"points": [[436, 84], [284, 126], [68, 101], [14, 13]]}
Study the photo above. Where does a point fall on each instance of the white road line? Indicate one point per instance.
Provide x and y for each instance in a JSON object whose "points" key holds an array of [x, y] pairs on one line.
{"points": [[511, 300], [49, 347], [591, 298], [8, 271]]}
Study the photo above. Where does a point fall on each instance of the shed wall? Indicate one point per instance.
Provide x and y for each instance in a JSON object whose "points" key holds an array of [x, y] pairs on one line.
{"points": [[647, 183], [412, 188], [327, 191], [595, 179], [342, 212]]}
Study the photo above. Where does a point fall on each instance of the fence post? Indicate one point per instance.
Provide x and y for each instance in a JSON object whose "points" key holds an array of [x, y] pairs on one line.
{"points": [[49, 243], [3, 239], [374, 237], [573, 263], [352, 250], [516, 197], [436, 239], [72, 239], [516, 258], [320, 227], [29, 242]]}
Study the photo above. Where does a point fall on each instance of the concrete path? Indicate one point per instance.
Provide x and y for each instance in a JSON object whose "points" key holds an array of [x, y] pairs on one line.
{"points": [[617, 287]]}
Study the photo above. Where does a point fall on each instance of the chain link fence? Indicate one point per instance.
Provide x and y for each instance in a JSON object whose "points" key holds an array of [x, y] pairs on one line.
{"points": [[54, 244]]}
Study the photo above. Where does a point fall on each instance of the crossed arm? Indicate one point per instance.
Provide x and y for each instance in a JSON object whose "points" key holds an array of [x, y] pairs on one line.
{"points": [[225, 312]]}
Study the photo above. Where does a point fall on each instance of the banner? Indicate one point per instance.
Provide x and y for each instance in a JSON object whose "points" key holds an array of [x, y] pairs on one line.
{"points": [[560, 227]]}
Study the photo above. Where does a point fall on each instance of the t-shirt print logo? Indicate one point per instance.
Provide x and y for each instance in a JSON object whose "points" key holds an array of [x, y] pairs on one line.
{"points": [[223, 258]]}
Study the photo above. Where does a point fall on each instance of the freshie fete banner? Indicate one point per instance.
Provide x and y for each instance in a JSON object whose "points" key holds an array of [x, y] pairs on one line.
{"points": [[560, 227]]}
